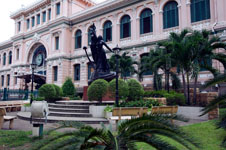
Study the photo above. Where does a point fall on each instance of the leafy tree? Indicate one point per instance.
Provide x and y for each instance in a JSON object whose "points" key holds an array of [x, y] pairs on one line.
{"points": [[69, 88], [47, 91], [59, 92], [146, 129], [97, 90], [122, 88], [135, 89], [126, 65]]}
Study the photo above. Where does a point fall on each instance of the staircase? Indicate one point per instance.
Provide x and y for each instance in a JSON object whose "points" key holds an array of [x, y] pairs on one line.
{"points": [[69, 111]]}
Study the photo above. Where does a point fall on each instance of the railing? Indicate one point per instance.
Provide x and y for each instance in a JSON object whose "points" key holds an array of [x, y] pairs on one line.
{"points": [[7, 94]]}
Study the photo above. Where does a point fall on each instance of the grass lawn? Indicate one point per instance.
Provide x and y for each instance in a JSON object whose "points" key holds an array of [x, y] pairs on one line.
{"points": [[206, 132]]}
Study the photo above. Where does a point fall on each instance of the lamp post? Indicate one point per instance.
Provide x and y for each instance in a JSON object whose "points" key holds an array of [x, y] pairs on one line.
{"points": [[33, 65], [117, 50]]}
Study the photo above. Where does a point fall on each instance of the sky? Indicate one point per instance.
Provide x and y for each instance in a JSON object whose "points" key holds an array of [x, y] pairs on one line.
{"points": [[7, 24]]}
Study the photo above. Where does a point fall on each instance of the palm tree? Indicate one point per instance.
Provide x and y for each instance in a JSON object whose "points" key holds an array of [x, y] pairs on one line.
{"points": [[148, 129], [126, 65], [203, 51], [218, 101]]}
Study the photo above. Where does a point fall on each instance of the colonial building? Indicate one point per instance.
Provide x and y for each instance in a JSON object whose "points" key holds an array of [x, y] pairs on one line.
{"points": [[51, 33]]}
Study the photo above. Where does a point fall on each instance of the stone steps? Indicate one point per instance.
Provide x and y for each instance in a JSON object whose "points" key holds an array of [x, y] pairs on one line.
{"points": [[54, 119], [68, 114], [52, 109], [63, 106]]}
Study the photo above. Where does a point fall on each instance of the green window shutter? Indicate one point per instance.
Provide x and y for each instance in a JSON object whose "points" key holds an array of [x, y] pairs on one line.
{"points": [[121, 31], [200, 10], [170, 15], [4, 59], [55, 73], [2, 80], [8, 80], [10, 57], [58, 8], [38, 19], [89, 71], [28, 23], [44, 17], [105, 36], [49, 14], [77, 72], [57, 42]]}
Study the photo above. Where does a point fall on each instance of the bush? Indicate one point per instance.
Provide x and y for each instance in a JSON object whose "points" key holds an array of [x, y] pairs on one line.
{"points": [[157, 94], [135, 90], [97, 90], [59, 92], [108, 109], [69, 88], [48, 92], [122, 88], [175, 99], [140, 103]]}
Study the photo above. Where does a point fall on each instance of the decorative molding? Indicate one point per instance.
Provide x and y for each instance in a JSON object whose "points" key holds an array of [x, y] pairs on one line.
{"points": [[36, 37]]}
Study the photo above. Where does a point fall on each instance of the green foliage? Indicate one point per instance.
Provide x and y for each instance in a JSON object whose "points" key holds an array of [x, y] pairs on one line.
{"points": [[39, 98], [146, 129], [140, 103], [59, 92], [27, 105], [108, 109], [172, 98], [157, 94], [175, 99], [97, 90], [76, 98], [122, 88], [68, 88], [157, 81], [47, 91], [136, 90]]}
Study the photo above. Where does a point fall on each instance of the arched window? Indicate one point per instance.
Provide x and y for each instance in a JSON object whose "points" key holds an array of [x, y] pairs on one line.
{"points": [[170, 15], [78, 39], [77, 72], [4, 59], [146, 24], [200, 10], [143, 63], [125, 27], [107, 35], [89, 36], [10, 57]]}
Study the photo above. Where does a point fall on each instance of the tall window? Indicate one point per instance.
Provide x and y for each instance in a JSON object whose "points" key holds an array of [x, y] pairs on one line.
{"points": [[147, 72], [58, 8], [28, 23], [49, 11], [2, 80], [44, 16], [125, 27], [57, 40], [146, 24], [10, 57], [77, 72], [78, 39], [33, 21], [19, 26], [18, 54], [8, 80], [15, 79], [107, 31], [90, 70], [170, 15], [200, 10], [55, 72], [89, 36], [38, 19], [4, 59]]}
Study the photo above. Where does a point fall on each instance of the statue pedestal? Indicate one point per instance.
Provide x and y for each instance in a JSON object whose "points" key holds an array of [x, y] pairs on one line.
{"points": [[105, 98]]}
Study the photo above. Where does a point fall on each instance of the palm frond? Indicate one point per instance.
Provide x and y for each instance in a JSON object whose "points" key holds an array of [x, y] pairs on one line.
{"points": [[216, 80]]}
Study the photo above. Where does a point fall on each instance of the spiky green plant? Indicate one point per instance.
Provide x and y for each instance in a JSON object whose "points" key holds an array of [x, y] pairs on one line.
{"points": [[148, 129]]}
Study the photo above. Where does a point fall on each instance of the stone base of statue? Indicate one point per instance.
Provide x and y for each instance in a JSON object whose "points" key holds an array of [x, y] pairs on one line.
{"points": [[102, 75]]}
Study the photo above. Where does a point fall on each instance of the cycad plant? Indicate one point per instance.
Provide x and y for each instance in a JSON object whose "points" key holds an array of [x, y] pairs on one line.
{"points": [[149, 129], [220, 100]]}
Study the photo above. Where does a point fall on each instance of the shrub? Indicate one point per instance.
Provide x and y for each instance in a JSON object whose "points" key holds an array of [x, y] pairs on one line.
{"points": [[59, 92], [39, 98], [175, 99], [135, 89], [108, 109], [48, 92], [122, 88], [97, 90], [140, 103], [68, 88], [156, 94]]}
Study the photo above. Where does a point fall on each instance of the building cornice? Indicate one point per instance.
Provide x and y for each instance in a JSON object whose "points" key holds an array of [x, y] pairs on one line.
{"points": [[6, 44]]}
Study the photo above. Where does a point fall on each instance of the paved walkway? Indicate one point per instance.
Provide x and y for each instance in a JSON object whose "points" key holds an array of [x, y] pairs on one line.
{"points": [[26, 126]]}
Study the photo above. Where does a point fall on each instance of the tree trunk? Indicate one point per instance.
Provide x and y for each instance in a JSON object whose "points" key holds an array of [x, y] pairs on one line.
{"points": [[184, 84], [188, 89], [195, 90]]}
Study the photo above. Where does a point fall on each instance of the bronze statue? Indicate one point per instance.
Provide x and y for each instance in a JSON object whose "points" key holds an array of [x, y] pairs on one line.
{"points": [[99, 63]]}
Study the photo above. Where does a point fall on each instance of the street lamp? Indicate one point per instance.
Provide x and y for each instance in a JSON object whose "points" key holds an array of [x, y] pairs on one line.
{"points": [[116, 51], [33, 66]]}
